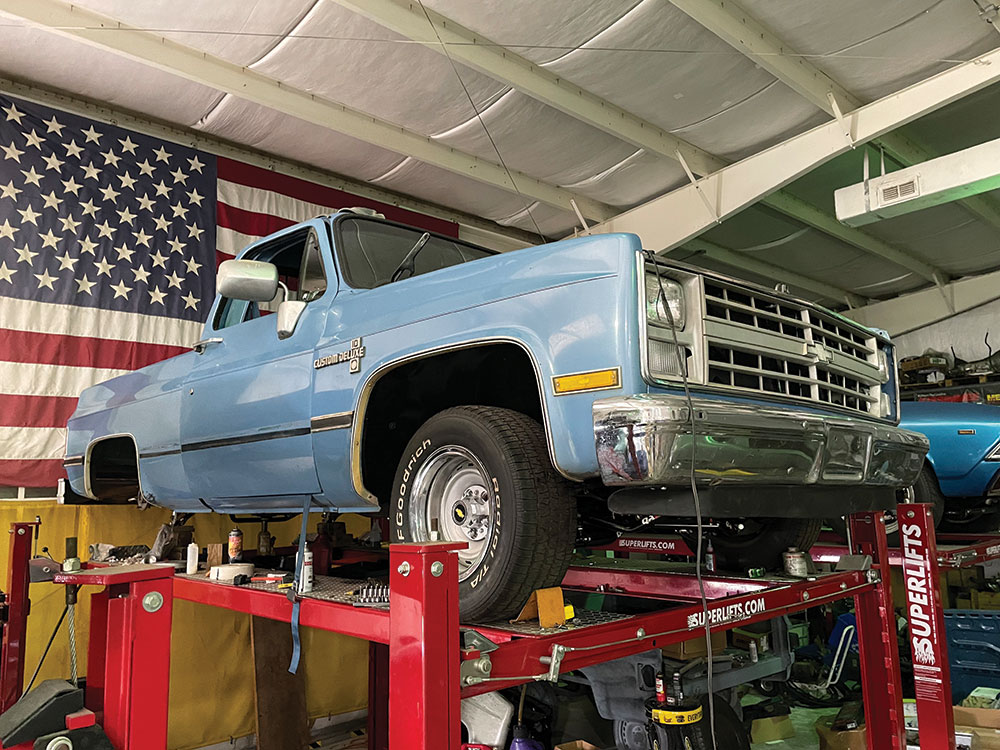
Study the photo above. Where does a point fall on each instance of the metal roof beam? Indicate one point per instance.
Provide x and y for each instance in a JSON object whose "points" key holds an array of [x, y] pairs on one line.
{"points": [[445, 36], [110, 34], [735, 26], [506, 66], [771, 271], [696, 207]]}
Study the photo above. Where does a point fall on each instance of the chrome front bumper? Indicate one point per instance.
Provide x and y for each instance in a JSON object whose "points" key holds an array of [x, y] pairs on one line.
{"points": [[646, 440]]}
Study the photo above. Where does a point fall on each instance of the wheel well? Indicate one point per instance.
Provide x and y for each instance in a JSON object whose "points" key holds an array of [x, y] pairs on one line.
{"points": [[113, 468], [407, 396]]}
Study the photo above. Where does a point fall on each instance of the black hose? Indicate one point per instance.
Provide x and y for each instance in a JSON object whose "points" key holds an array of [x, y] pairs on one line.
{"points": [[47, 647]]}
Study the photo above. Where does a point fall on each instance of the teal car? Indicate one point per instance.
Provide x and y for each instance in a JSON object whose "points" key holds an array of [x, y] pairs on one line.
{"points": [[961, 474]]}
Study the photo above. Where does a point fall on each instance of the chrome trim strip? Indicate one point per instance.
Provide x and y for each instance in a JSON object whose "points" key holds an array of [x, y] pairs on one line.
{"points": [[381, 370], [73, 461], [158, 454], [339, 421], [242, 439]]}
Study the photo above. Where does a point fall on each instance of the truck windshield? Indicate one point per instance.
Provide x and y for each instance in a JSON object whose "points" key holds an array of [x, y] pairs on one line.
{"points": [[371, 250]]}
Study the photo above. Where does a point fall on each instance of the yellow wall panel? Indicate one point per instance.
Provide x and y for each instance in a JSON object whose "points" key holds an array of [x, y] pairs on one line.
{"points": [[211, 681]]}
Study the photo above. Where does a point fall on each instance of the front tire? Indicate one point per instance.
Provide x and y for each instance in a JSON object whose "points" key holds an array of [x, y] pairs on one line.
{"points": [[482, 475]]}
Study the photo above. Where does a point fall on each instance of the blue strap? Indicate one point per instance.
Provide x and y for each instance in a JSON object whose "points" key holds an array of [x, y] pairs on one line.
{"points": [[294, 594]]}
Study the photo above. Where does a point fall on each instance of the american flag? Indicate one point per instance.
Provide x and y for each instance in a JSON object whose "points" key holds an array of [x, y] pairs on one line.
{"points": [[109, 243]]}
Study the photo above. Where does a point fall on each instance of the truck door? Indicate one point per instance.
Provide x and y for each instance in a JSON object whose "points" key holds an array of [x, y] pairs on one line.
{"points": [[245, 431]]}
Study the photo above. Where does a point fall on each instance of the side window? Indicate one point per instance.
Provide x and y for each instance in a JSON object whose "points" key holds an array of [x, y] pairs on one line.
{"points": [[300, 268], [312, 279]]}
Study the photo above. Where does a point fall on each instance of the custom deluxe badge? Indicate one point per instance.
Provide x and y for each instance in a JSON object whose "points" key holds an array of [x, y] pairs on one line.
{"points": [[352, 355]]}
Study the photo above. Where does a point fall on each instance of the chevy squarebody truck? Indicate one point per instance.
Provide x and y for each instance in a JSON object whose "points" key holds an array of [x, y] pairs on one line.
{"points": [[509, 401]]}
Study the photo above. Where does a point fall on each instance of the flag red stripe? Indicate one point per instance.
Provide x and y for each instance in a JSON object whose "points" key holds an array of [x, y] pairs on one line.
{"points": [[80, 351], [35, 411], [265, 179], [37, 472], [249, 222]]}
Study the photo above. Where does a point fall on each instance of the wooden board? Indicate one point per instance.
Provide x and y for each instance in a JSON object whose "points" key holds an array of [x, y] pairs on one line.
{"points": [[279, 697]]}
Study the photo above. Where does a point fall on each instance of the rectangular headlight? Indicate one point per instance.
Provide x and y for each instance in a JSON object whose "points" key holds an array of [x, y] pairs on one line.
{"points": [[665, 304]]}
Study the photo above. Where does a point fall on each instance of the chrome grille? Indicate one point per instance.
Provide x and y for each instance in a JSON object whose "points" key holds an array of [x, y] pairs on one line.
{"points": [[764, 343]]}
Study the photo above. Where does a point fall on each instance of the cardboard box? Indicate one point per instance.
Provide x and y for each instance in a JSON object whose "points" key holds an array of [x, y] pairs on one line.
{"points": [[987, 718], [771, 728], [985, 599], [853, 739], [982, 738], [577, 745], [695, 647], [743, 637], [981, 697]]}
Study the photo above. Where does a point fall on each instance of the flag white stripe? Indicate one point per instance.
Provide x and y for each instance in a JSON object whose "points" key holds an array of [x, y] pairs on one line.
{"points": [[28, 443], [70, 320], [263, 201], [33, 379], [230, 242]]}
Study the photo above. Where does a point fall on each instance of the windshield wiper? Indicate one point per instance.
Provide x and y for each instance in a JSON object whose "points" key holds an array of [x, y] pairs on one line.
{"points": [[406, 264]]}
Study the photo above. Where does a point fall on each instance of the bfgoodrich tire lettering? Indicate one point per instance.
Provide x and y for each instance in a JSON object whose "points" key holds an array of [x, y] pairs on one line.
{"points": [[482, 475]]}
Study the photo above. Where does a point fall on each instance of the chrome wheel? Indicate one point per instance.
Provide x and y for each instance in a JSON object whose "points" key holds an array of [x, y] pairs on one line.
{"points": [[451, 495]]}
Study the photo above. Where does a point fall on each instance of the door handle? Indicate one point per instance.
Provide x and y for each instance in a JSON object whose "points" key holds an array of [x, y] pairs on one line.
{"points": [[200, 346]]}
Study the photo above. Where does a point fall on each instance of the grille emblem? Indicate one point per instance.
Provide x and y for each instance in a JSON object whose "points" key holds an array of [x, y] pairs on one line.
{"points": [[820, 352]]}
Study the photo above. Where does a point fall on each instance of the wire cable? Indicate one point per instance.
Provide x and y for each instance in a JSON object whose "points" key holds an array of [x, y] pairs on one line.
{"points": [[682, 368], [47, 647], [71, 627], [482, 122]]}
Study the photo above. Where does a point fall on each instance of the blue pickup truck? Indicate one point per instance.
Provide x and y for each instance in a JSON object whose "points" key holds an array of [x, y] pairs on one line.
{"points": [[961, 476], [513, 401]]}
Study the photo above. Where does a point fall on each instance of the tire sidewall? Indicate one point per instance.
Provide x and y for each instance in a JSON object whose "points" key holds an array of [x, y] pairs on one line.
{"points": [[453, 429]]}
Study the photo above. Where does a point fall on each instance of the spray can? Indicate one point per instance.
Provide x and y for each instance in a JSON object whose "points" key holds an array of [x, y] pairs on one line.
{"points": [[754, 656], [265, 542], [192, 559], [796, 563], [661, 692], [235, 545], [306, 579], [710, 557]]}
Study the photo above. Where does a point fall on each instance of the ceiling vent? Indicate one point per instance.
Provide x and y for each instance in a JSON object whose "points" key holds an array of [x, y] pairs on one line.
{"points": [[947, 178], [898, 192]]}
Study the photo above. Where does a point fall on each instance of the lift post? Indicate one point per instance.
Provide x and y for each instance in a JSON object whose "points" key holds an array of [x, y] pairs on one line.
{"points": [[128, 657], [424, 703], [877, 647], [18, 606], [925, 616]]}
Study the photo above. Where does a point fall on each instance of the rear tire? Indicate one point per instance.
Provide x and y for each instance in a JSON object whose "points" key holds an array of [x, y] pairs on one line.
{"points": [[763, 543], [839, 527], [482, 475], [927, 490]]}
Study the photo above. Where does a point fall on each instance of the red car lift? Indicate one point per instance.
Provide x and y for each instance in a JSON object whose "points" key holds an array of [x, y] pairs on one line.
{"points": [[434, 662], [15, 609]]}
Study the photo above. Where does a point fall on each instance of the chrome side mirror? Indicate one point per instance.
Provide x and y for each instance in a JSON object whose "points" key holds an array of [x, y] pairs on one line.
{"points": [[251, 280], [288, 316]]}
